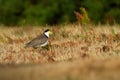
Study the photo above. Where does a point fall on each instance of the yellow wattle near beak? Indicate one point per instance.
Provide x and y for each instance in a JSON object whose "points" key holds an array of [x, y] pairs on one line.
{"points": [[50, 33]]}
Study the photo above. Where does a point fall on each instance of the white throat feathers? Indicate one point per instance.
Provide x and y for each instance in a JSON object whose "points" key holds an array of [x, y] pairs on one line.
{"points": [[47, 34]]}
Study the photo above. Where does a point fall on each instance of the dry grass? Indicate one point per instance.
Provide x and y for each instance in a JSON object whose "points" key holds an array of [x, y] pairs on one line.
{"points": [[69, 43]]}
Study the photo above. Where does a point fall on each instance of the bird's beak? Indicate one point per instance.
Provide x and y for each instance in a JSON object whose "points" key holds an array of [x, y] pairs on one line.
{"points": [[50, 33]]}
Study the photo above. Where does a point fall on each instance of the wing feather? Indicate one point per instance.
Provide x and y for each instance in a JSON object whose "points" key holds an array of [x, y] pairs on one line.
{"points": [[39, 40]]}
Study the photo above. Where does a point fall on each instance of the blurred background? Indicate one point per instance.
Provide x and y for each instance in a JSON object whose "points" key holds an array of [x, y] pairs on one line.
{"points": [[52, 12]]}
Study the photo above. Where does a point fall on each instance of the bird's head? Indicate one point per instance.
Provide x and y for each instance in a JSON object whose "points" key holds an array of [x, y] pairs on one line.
{"points": [[47, 32]]}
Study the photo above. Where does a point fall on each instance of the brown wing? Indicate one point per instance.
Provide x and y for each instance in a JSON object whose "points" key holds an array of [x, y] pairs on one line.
{"points": [[37, 41]]}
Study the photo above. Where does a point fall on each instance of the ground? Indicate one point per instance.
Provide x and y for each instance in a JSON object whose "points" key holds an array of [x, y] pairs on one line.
{"points": [[87, 53]]}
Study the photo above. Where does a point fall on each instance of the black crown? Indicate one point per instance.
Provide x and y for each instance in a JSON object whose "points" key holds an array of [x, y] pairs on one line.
{"points": [[47, 30]]}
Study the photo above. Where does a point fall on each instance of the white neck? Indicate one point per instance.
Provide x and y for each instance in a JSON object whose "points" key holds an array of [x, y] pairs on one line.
{"points": [[47, 34]]}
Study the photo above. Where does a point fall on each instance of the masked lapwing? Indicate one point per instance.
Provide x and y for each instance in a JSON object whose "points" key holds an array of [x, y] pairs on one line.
{"points": [[40, 41]]}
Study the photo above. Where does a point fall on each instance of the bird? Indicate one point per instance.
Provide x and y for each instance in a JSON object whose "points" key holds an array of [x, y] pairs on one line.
{"points": [[40, 40]]}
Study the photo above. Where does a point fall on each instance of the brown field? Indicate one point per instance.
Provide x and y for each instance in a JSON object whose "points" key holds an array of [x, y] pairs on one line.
{"points": [[75, 53]]}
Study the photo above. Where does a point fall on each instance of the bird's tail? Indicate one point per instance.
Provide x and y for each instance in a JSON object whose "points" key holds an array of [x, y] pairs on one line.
{"points": [[26, 45]]}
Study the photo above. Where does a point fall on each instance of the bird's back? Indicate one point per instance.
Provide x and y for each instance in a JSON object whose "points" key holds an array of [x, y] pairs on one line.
{"points": [[38, 41]]}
